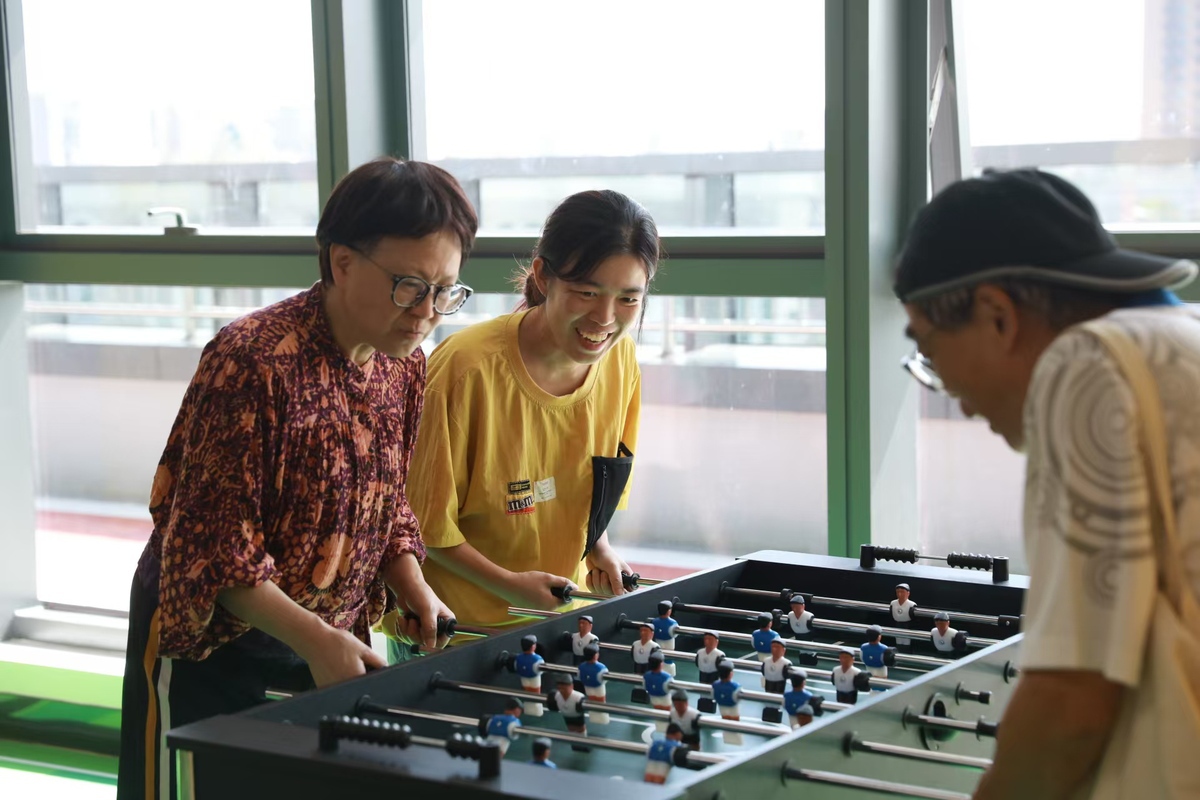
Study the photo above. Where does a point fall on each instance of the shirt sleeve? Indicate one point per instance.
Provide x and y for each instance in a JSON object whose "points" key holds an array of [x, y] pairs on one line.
{"points": [[630, 434], [1087, 517], [406, 530], [441, 469], [207, 498]]}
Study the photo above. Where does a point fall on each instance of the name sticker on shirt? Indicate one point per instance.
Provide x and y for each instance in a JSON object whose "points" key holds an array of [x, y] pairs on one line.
{"points": [[544, 490], [519, 499]]}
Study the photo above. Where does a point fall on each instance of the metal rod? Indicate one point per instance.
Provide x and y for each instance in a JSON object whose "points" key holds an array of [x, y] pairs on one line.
{"points": [[824, 624], [562, 736], [874, 784], [980, 727], [853, 743], [818, 600]]}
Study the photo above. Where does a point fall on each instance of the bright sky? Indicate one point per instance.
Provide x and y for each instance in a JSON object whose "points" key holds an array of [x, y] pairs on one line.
{"points": [[548, 77]]}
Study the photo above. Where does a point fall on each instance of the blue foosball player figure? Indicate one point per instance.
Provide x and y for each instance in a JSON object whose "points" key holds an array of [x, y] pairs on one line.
{"points": [[726, 694], [541, 753], [592, 676], [664, 631], [875, 654], [657, 682], [798, 701], [502, 728], [529, 669], [763, 637], [661, 754]]}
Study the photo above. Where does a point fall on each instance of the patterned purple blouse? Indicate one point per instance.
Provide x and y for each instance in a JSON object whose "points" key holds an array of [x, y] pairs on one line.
{"points": [[287, 463]]}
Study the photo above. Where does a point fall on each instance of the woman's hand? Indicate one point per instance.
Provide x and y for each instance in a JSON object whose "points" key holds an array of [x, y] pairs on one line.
{"points": [[335, 655], [605, 568], [532, 589], [413, 594]]}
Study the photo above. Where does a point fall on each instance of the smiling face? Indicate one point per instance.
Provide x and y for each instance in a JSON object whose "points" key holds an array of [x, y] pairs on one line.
{"points": [[986, 364], [586, 319], [362, 313]]}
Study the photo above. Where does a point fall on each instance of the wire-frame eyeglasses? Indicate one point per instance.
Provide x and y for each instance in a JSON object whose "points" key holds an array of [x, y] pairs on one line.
{"points": [[921, 368], [411, 290]]}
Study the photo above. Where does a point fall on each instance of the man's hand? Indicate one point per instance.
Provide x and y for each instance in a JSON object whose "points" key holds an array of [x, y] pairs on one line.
{"points": [[403, 576], [605, 568]]}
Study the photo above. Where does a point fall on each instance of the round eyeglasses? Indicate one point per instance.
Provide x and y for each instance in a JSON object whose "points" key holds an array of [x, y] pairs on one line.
{"points": [[409, 291], [921, 368]]}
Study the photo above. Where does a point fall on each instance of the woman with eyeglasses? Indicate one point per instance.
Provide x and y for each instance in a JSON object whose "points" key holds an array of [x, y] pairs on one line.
{"points": [[530, 421], [282, 532]]}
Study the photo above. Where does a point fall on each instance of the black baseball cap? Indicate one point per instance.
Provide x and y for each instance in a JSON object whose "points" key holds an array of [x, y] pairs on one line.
{"points": [[1022, 223]]}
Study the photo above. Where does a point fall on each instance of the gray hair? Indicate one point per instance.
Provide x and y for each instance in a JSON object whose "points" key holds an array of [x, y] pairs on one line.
{"points": [[1059, 306]]}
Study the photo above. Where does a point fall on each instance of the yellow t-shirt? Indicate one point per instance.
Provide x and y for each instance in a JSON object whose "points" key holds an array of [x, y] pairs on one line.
{"points": [[504, 465]]}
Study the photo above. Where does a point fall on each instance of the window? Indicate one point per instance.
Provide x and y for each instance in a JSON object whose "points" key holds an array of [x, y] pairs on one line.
{"points": [[711, 114], [126, 106], [1108, 100], [734, 408]]}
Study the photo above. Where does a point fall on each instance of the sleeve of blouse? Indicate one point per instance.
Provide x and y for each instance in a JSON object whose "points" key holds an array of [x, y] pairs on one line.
{"points": [[207, 497], [406, 530]]}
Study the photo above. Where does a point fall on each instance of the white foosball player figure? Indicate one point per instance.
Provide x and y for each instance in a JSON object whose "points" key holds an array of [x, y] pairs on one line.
{"points": [[775, 669], [799, 620], [686, 717], [849, 680], [583, 638], [502, 728], [643, 647], [946, 639], [529, 670], [708, 657], [903, 610], [592, 676], [566, 701]]}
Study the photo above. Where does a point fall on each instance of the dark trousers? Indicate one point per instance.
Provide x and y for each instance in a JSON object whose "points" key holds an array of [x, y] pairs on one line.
{"points": [[709, 678], [776, 687], [163, 693], [847, 697]]}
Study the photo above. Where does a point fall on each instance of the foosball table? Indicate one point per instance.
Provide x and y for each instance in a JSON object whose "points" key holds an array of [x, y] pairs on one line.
{"points": [[894, 686]]}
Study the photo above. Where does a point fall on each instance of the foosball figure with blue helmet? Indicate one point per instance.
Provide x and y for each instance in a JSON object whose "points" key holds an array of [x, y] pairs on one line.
{"points": [[502, 728], [529, 669]]}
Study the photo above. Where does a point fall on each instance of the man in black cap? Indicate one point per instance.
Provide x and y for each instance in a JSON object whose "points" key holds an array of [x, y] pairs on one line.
{"points": [[996, 275]]}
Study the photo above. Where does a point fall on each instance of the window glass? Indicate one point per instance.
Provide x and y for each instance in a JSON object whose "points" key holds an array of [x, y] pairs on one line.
{"points": [[732, 434], [1110, 100], [131, 105], [707, 112]]}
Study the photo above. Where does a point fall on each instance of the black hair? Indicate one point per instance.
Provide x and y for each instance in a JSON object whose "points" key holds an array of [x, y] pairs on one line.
{"points": [[586, 229], [390, 197]]}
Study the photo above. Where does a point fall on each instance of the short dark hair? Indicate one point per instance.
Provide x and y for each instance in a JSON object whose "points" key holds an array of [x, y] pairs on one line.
{"points": [[391, 197], [1058, 305], [586, 229]]}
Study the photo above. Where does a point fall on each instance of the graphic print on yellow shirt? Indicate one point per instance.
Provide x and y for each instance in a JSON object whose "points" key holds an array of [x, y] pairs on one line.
{"points": [[507, 466]]}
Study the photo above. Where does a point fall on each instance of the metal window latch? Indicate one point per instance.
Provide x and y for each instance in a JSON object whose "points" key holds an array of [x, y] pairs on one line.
{"points": [[181, 227]]}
